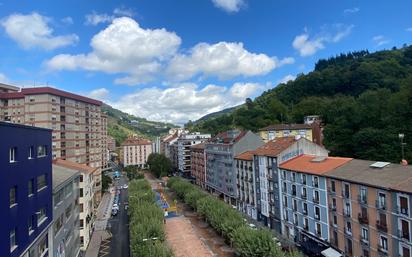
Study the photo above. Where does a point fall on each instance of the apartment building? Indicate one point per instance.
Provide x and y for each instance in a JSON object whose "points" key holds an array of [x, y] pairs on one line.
{"points": [[198, 164], [304, 198], [25, 190], [111, 144], [105, 143], [64, 235], [86, 199], [266, 161], [184, 142], [370, 209], [76, 122], [245, 181], [174, 156], [220, 163], [286, 130], [135, 151]]}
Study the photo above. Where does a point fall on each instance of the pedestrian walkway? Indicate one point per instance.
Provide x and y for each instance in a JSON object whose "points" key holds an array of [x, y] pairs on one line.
{"points": [[183, 239], [102, 216]]}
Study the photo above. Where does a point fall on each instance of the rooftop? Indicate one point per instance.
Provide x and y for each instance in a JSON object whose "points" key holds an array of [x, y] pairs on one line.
{"points": [[286, 127], [62, 174], [200, 146], [314, 164], [136, 141], [395, 176], [16, 125], [74, 165], [274, 147], [228, 137], [245, 156]]}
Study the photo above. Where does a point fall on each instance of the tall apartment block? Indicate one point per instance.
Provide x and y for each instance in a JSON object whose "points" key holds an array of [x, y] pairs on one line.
{"points": [[136, 151], [246, 184], [86, 199], [64, 235], [25, 190], [184, 142], [76, 122], [304, 198], [370, 209], [220, 163], [198, 164]]}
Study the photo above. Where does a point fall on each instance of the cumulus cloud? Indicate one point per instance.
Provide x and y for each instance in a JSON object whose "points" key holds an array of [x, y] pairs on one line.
{"points": [[351, 10], [184, 102], [380, 40], [287, 78], [123, 11], [100, 94], [308, 46], [224, 60], [123, 47], [33, 30], [96, 18], [229, 5]]}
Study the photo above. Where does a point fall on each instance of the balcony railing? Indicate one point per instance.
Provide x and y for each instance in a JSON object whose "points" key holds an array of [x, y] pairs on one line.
{"points": [[403, 234], [363, 219], [381, 205], [362, 199], [304, 196], [363, 240], [316, 200], [382, 250], [382, 226]]}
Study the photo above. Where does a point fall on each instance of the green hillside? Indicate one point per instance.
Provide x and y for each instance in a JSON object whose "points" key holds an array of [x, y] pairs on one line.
{"points": [[121, 125], [365, 100]]}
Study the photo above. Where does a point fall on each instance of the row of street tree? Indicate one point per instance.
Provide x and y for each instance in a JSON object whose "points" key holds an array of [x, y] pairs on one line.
{"points": [[147, 235], [229, 222]]}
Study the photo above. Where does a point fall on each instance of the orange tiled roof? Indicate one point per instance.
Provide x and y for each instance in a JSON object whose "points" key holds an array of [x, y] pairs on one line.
{"points": [[74, 165], [314, 164], [274, 147], [246, 156]]}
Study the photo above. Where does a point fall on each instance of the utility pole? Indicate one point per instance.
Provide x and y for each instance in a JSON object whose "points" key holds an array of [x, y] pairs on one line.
{"points": [[401, 137]]}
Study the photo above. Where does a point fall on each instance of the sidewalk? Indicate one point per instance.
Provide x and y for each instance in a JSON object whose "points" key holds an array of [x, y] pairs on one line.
{"points": [[102, 216]]}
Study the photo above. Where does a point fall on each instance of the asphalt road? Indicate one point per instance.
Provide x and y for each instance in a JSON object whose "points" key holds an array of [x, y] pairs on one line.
{"points": [[119, 245]]}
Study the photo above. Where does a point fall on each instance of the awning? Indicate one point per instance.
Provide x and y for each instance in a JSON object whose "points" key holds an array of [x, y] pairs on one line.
{"points": [[330, 252]]}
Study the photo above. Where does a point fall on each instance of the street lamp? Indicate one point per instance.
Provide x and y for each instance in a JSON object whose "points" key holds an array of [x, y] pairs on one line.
{"points": [[401, 137]]}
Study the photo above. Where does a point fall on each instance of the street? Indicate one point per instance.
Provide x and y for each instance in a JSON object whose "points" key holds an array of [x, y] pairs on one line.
{"points": [[119, 245]]}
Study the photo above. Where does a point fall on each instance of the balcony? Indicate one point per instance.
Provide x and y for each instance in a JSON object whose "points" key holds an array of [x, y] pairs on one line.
{"points": [[363, 219], [404, 235], [304, 196], [316, 200], [382, 250], [382, 226], [347, 213]]}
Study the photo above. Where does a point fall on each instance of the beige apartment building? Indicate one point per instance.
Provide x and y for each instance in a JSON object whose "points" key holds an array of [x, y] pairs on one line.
{"points": [[79, 128], [135, 151]]}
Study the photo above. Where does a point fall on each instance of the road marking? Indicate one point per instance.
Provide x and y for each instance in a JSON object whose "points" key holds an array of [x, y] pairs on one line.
{"points": [[104, 248]]}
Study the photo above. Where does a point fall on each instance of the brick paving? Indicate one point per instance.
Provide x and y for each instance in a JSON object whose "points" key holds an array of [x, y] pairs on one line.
{"points": [[183, 239]]}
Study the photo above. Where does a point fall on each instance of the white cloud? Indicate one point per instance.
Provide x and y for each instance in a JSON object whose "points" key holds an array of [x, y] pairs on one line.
{"points": [[351, 10], [67, 20], [99, 93], [409, 29], [186, 101], [287, 78], [229, 5], [308, 46], [3, 78], [123, 47], [123, 11], [95, 18], [224, 60], [33, 30], [380, 40]]}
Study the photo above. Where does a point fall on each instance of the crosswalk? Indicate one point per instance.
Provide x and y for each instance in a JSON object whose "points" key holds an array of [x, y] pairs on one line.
{"points": [[104, 248]]}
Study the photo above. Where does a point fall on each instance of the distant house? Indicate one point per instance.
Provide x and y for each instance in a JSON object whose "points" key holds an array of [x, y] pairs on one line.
{"points": [[136, 151]]}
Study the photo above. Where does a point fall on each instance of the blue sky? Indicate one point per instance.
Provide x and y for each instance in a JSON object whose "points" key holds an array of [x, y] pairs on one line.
{"points": [[179, 60]]}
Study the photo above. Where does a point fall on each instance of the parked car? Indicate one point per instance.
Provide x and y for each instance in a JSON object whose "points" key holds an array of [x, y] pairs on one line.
{"points": [[252, 226], [114, 212], [115, 207]]}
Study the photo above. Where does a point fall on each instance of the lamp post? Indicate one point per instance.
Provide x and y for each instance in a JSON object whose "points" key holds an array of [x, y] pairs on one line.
{"points": [[401, 137]]}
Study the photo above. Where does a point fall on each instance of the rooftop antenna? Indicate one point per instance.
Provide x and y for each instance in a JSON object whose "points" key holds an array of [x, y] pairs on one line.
{"points": [[401, 138]]}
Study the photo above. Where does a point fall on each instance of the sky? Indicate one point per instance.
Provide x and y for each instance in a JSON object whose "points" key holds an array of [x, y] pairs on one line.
{"points": [[178, 60]]}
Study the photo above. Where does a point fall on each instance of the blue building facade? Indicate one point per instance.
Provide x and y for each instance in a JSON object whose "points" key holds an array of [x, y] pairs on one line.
{"points": [[25, 190]]}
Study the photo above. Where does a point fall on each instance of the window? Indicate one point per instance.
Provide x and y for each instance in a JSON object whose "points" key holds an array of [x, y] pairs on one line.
{"points": [[295, 205], [41, 182], [69, 211], [42, 246], [41, 216], [317, 213], [81, 178], [13, 196], [304, 179], [294, 190], [41, 151], [363, 195], [305, 208], [31, 152], [334, 203], [30, 190], [365, 235], [346, 191], [404, 205], [81, 192], [315, 181], [305, 223], [12, 154], [316, 198], [349, 227], [293, 177], [81, 223], [383, 243], [381, 201], [335, 220], [318, 229], [333, 186], [31, 225], [13, 242], [58, 224], [304, 193]]}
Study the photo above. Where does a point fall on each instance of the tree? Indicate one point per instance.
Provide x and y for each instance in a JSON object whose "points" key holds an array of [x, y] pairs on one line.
{"points": [[159, 164], [106, 181]]}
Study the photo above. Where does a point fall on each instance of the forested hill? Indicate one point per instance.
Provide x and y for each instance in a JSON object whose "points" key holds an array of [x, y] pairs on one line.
{"points": [[365, 100], [121, 125]]}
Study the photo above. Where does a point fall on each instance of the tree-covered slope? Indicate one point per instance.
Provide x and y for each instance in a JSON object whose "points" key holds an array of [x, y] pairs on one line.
{"points": [[121, 125], [365, 100]]}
